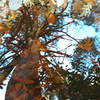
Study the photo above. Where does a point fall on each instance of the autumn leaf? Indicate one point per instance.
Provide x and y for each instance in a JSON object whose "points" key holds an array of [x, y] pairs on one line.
{"points": [[51, 7], [86, 45], [3, 27], [28, 3], [97, 19], [77, 6], [86, 10], [52, 2], [18, 86], [36, 11], [51, 18], [12, 15], [0, 40], [17, 98], [93, 2], [38, 46], [1, 78]]}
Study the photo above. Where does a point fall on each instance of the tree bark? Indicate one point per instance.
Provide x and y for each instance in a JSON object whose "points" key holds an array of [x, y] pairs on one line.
{"points": [[24, 84]]}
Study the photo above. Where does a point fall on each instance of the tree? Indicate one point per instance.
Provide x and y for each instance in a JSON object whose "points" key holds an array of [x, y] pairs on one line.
{"points": [[29, 49], [87, 70], [27, 38]]}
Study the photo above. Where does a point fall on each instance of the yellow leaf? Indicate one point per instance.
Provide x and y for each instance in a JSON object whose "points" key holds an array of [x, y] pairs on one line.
{"points": [[0, 41], [86, 10], [93, 2], [1, 77], [52, 2], [97, 19]]}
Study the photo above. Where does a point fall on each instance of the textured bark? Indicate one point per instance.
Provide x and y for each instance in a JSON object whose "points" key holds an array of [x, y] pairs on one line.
{"points": [[24, 84]]}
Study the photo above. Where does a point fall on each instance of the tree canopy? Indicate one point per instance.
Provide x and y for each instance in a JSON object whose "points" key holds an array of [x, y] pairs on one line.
{"points": [[31, 57]]}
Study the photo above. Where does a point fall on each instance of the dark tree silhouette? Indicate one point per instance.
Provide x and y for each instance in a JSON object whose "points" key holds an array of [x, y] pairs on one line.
{"points": [[86, 76]]}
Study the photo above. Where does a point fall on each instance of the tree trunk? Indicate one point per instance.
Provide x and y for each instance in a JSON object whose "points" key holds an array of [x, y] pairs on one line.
{"points": [[24, 84]]}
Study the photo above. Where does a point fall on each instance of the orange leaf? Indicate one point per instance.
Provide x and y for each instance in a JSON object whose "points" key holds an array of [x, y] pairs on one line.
{"points": [[38, 46], [93, 2], [51, 18], [86, 45], [3, 27], [17, 98]]}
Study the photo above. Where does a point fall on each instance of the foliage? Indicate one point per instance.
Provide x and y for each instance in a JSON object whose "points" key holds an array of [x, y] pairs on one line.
{"points": [[86, 64], [28, 45]]}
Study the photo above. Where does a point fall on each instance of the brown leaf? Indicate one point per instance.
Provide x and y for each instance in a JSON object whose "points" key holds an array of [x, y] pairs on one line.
{"points": [[3, 27], [86, 45], [77, 6], [18, 86]]}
